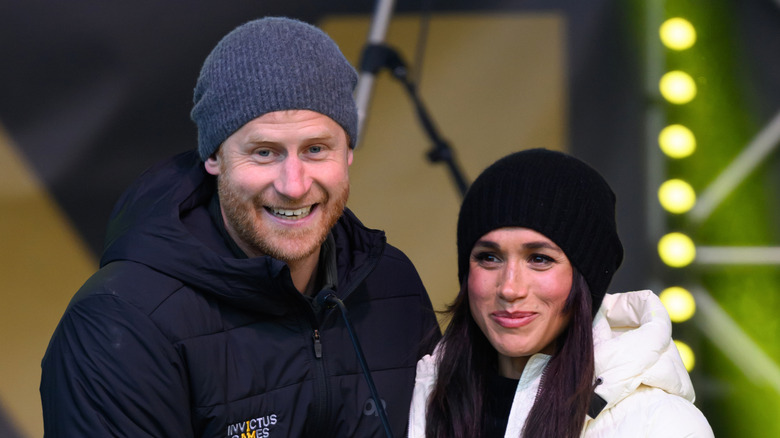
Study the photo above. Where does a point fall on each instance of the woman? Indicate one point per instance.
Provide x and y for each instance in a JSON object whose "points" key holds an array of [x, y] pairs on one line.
{"points": [[534, 348]]}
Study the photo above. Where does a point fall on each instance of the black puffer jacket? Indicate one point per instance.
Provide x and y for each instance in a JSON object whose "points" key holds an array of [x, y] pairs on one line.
{"points": [[174, 337]]}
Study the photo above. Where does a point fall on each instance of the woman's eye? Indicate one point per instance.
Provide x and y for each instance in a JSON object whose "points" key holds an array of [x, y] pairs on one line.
{"points": [[540, 259], [486, 257]]}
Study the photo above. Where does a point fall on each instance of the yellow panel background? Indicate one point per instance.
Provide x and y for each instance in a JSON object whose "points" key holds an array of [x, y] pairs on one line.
{"points": [[493, 84], [43, 262]]}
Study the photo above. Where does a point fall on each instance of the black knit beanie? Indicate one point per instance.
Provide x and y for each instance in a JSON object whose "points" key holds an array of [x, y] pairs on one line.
{"points": [[266, 65], [554, 194]]}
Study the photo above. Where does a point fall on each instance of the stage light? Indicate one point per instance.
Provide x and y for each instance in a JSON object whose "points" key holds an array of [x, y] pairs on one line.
{"points": [[677, 141], [686, 354], [676, 196], [679, 303], [677, 33], [677, 87], [676, 250]]}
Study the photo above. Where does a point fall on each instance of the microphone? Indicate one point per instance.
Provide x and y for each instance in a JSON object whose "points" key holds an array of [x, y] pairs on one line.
{"points": [[325, 299], [330, 300]]}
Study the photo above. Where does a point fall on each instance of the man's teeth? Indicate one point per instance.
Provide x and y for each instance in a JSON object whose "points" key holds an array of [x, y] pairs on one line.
{"points": [[298, 213]]}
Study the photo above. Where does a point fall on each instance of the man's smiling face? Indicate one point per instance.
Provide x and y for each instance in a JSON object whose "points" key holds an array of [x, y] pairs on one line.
{"points": [[283, 183]]}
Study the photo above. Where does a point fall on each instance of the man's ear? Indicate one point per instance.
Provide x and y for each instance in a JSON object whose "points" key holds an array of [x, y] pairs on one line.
{"points": [[212, 164], [349, 156]]}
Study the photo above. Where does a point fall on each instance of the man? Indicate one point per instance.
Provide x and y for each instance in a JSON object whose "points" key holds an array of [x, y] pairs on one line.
{"points": [[207, 316]]}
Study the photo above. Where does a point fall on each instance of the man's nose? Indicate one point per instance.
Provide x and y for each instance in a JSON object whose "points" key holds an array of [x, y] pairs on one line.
{"points": [[293, 181]]}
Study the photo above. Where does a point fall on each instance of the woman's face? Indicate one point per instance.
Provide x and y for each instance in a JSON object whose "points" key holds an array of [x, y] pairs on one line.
{"points": [[518, 284]]}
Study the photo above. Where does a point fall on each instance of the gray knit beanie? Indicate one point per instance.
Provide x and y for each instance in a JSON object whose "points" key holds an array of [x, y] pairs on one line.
{"points": [[266, 65], [552, 193]]}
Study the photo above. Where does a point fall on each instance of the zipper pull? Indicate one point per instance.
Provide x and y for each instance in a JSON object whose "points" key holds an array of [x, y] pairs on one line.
{"points": [[317, 345]]}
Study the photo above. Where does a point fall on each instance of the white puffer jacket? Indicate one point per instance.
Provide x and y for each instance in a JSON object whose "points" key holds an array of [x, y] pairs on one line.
{"points": [[647, 390]]}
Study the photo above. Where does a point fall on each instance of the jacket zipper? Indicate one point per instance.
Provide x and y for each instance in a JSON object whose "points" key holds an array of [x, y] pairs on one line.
{"points": [[322, 395], [317, 344], [541, 382]]}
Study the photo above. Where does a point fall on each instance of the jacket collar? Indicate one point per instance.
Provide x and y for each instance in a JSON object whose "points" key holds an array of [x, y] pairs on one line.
{"points": [[633, 346]]}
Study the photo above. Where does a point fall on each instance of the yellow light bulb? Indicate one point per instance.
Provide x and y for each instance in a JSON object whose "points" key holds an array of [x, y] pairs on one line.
{"points": [[677, 141], [676, 250], [677, 87], [676, 196], [677, 33], [679, 303], [686, 354]]}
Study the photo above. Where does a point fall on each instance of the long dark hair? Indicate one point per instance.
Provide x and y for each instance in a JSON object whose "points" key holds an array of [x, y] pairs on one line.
{"points": [[455, 406]]}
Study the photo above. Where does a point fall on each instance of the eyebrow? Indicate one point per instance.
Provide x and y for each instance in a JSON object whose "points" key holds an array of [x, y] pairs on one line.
{"points": [[528, 245], [260, 139]]}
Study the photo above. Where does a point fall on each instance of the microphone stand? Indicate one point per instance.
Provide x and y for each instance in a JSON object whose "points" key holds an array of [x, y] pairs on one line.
{"points": [[376, 35], [376, 56]]}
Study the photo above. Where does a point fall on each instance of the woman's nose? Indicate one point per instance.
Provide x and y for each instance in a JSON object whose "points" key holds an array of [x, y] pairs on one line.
{"points": [[512, 285]]}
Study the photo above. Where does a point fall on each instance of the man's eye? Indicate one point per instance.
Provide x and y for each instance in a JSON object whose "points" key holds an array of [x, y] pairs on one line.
{"points": [[264, 152], [315, 149]]}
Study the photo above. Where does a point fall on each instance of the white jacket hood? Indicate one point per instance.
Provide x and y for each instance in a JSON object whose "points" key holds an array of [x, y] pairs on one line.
{"points": [[632, 339]]}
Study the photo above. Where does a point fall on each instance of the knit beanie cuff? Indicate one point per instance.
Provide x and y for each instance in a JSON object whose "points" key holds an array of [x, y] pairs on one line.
{"points": [[272, 64]]}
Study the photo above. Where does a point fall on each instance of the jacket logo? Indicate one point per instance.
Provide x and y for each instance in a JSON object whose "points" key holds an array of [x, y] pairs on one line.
{"points": [[369, 407], [254, 428]]}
